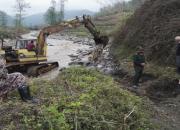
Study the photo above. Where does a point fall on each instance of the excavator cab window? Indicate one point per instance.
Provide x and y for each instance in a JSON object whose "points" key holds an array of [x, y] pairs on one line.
{"points": [[23, 44], [20, 44]]}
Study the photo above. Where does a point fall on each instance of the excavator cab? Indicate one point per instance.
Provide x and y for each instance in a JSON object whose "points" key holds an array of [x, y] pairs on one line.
{"points": [[22, 49], [26, 49], [22, 54], [27, 60]]}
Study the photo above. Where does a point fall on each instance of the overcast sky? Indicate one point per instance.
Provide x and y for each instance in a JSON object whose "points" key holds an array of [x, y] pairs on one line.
{"points": [[38, 6]]}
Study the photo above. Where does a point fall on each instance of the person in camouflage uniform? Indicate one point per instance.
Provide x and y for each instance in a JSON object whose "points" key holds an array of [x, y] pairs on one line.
{"points": [[10, 82]]}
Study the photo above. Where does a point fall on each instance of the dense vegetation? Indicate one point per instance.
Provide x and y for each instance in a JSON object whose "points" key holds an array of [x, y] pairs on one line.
{"points": [[78, 99], [153, 26]]}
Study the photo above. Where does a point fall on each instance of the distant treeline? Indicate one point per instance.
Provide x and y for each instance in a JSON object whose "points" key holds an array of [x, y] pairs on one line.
{"points": [[3, 19]]}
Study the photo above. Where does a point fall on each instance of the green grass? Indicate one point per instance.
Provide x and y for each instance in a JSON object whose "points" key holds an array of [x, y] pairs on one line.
{"points": [[78, 98]]}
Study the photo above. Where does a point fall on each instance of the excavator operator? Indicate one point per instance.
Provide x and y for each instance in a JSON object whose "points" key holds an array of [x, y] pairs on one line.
{"points": [[31, 46]]}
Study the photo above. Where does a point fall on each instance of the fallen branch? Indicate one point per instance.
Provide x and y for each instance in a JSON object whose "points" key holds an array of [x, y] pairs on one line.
{"points": [[128, 115]]}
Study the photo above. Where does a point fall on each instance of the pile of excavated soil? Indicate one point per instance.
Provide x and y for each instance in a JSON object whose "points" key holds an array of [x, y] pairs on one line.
{"points": [[153, 26]]}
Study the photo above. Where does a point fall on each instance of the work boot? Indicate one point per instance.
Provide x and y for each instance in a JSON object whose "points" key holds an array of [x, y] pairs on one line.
{"points": [[29, 97], [24, 93]]}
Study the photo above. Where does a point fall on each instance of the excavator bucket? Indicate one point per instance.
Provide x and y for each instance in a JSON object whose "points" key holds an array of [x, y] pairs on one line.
{"points": [[102, 40]]}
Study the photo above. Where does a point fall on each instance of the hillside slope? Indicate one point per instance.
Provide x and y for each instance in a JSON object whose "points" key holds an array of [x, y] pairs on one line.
{"points": [[154, 26]]}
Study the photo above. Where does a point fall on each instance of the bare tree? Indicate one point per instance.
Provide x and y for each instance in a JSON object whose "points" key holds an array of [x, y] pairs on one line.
{"points": [[3, 19], [61, 10], [53, 3], [51, 14], [21, 6]]}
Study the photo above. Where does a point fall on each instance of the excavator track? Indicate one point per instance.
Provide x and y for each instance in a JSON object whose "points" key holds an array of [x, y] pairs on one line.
{"points": [[42, 68]]}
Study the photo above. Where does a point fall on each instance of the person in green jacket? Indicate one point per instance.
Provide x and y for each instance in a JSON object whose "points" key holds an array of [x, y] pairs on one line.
{"points": [[139, 63]]}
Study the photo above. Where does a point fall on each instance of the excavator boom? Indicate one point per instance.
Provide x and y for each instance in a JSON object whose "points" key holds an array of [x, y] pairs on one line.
{"points": [[45, 32], [78, 21]]}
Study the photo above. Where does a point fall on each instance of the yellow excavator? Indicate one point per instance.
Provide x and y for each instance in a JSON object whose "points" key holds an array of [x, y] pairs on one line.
{"points": [[34, 62]]}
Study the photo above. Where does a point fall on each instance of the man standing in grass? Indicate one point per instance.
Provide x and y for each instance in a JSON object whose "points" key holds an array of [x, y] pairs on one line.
{"points": [[139, 63]]}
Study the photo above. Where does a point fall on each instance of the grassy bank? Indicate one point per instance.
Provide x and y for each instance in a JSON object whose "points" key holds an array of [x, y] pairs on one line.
{"points": [[79, 99]]}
